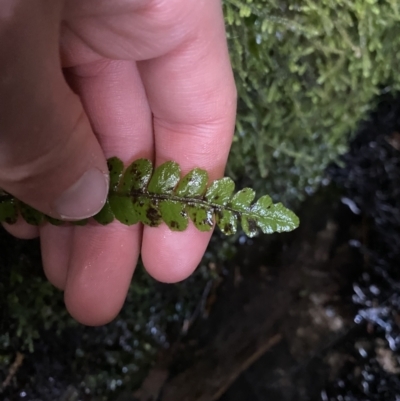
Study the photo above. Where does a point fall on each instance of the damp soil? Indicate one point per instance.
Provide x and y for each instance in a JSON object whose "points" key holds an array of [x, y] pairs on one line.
{"points": [[282, 308], [312, 315], [309, 315]]}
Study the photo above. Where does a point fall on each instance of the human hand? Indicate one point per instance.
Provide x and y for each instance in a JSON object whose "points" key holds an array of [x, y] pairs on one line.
{"points": [[153, 80]]}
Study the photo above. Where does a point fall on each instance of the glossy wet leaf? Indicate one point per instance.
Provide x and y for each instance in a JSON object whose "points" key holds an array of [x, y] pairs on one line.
{"points": [[8, 211], [201, 216], [106, 215], [123, 210], [165, 178], [192, 184], [220, 191], [140, 194], [174, 215], [241, 201], [137, 176], [249, 226], [30, 215], [115, 167], [273, 218], [226, 221]]}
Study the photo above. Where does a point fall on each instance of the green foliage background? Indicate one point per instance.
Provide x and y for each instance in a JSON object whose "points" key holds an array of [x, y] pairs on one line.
{"points": [[307, 71]]}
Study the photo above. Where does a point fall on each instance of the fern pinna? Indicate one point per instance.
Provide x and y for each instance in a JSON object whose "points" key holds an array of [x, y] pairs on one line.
{"points": [[142, 194]]}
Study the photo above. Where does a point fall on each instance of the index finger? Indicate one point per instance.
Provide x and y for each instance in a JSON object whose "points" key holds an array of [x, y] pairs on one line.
{"points": [[192, 96]]}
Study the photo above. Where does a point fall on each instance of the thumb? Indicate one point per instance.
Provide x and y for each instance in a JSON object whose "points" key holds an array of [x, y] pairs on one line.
{"points": [[49, 156]]}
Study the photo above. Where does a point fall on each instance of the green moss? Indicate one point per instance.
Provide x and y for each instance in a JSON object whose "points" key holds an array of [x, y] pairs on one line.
{"points": [[307, 71]]}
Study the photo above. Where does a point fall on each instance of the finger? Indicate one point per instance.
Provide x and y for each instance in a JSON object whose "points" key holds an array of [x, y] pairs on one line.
{"points": [[22, 229], [171, 256], [103, 258], [114, 98], [100, 271], [49, 157], [192, 95], [56, 245]]}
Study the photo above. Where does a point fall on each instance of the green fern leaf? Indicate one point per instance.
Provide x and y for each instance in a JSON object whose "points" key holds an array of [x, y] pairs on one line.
{"points": [[53, 221], [106, 215], [123, 209], [8, 209], [115, 167], [137, 176], [165, 178], [249, 225], [174, 215], [242, 200], [202, 216], [192, 184], [220, 191], [268, 217], [30, 215], [141, 195], [227, 221], [147, 210], [273, 218]]}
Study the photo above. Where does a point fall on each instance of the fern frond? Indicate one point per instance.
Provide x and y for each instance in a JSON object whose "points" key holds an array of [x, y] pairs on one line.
{"points": [[142, 194]]}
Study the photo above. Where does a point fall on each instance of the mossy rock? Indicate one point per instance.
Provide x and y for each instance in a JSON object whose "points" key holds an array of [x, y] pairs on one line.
{"points": [[306, 72]]}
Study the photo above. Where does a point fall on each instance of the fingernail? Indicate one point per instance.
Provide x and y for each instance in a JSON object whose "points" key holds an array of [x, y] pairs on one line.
{"points": [[84, 198]]}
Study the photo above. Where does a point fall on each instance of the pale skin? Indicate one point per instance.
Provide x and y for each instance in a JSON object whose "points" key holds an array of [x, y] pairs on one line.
{"points": [[153, 80]]}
